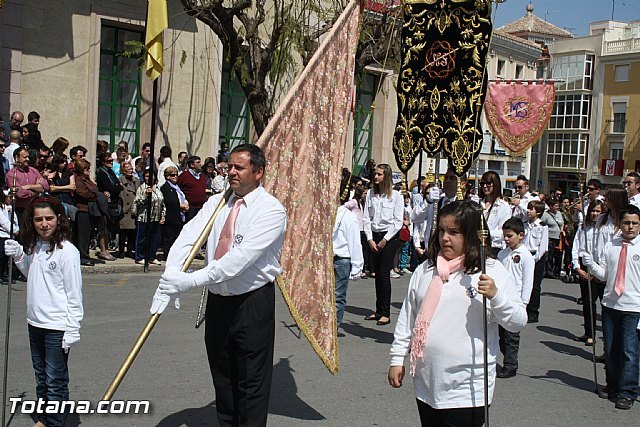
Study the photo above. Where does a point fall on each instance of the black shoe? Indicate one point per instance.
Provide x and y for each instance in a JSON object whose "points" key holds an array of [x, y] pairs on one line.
{"points": [[600, 359], [340, 334], [607, 393], [579, 301], [120, 255], [532, 319], [624, 403], [87, 262], [505, 373], [21, 277]]}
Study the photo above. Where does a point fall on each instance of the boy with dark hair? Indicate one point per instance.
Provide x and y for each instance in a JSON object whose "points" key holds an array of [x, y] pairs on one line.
{"points": [[517, 259], [620, 268], [536, 239]]}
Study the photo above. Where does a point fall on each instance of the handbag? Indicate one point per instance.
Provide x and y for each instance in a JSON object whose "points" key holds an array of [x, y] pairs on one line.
{"points": [[405, 234], [116, 211]]}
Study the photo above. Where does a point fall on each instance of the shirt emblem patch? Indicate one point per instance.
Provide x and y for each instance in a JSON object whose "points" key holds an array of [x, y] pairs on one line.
{"points": [[636, 257], [238, 239], [52, 265], [516, 259], [472, 292]]}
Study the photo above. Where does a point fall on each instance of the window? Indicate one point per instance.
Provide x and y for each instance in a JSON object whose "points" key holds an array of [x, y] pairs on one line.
{"points": [[119, 98], [500, 69], [495, 165], [571, 112], [575, 70], [363, 128], [621, 73], [519, 69], [619, 117], [616, 150], [566, 150], [234, 110]]}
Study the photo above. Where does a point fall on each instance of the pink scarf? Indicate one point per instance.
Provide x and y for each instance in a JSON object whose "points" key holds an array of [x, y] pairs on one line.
{"points": [[429, 304]]}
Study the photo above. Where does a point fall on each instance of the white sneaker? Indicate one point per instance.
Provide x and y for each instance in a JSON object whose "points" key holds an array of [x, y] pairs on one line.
{"points": [[155, 262], [394, 275], [406, 271]]}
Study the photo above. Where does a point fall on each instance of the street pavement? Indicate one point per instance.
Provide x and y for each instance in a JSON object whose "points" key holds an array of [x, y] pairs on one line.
{"points": [[554, 386]]}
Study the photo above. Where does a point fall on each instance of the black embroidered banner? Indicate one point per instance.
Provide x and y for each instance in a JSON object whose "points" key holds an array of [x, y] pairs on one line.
{"points": [[440, 87]]}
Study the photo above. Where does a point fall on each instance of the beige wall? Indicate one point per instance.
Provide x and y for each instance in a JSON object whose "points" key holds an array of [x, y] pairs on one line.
{"points": [[56, 65]]}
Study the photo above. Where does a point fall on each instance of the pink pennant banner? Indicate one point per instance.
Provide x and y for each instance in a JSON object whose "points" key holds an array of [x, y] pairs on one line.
{"points": [[518, 113]]}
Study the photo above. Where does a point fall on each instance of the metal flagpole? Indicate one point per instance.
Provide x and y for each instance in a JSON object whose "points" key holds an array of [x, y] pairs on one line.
{"points": [[137, 346], [483, 234], [8, 315], [152, 141], [436, 203]]}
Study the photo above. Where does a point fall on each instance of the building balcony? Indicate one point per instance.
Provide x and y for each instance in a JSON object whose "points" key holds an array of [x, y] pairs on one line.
{"points": [[612, 167], [617, 47]]}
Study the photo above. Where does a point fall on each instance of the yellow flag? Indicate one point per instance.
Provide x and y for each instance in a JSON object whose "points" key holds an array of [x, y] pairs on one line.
{"points": [[157, 21]]}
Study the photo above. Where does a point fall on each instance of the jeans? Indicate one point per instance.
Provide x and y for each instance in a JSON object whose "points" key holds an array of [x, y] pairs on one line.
{"points": [[621, 351], [141, 240], [509, 346], [50, 366], [404, 259], [341, 271]]}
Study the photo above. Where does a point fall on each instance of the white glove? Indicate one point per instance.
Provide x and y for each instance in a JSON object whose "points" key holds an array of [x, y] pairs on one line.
{"points": [[475, 198], [174, 281], [13, 248], [69, 339], [586, 259], [161, 301], [434, 194]]}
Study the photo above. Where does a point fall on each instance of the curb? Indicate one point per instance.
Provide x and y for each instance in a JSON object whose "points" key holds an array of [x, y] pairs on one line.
{"points": [[129, 266]]}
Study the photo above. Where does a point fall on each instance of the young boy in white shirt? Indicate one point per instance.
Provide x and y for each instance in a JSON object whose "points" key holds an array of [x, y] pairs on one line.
{"points": [[536, 239], [517, 259], [620, 268]]}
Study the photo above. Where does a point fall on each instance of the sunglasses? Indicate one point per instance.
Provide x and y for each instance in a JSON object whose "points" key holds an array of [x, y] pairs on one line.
{"points": [[591, 188], [625, 183], [519, 187], [172, 174], [485, 184]]}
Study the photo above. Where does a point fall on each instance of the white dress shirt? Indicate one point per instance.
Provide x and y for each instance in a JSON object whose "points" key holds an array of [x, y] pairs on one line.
{"points": [[607, 270], [383, 214], [451, 374], [635, 200], [8, 153], [520, 210], [582, 246], [346, 240], [218, 184], [161, 167], [605, 232], [536, 238], [54, 287], [254, 258], [496, 216], [424, 213], [520, 264]]}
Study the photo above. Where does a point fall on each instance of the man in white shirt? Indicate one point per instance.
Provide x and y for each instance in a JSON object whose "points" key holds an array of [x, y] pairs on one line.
{"points": [[347, 256], [14, 142], [165, 162], [243, 252], [522, 198], [632, 184], [220, 181]]}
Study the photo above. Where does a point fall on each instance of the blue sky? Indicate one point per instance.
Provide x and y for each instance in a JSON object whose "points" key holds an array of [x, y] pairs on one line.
{"points": [[572, 15]]}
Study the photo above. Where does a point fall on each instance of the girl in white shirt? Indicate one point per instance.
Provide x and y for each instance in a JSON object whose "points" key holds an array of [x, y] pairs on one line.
{"points": [[496, 210], [382, 220], [54, 299], [440, 324], [580, 247]]}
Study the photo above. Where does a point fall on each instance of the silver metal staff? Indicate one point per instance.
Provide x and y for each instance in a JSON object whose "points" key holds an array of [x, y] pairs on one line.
{"points": [[137, 346], [436, 203], [8, 316], [483, 235]]}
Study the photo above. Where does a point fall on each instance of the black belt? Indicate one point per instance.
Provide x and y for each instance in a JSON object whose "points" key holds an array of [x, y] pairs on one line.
{"points": [[337, 258]]}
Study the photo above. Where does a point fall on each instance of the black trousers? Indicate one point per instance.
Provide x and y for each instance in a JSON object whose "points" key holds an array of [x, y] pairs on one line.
{"points": [[239, 336], [84, 227], [382, 265], [170, 233], [462, 417], [509, 346], [597, 291], [127, 238], [533, 307]]}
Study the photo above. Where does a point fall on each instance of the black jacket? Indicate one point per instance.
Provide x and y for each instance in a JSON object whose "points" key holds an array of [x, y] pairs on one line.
{"points": [[172, 205]]}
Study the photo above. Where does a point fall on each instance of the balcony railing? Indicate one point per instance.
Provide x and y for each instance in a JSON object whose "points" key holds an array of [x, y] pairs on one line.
{"points": [[615, 47]]}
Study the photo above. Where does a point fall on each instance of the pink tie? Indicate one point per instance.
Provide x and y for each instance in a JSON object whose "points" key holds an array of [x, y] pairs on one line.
{"points": [[622, 268], [225, 241]]}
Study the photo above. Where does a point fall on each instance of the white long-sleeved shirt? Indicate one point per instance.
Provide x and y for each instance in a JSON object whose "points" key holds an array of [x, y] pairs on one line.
{"points": [[346, 240], [635, 200], [383, 214], [580, 246], [424, 213], [354, 207], [520, 210], [607, 269], [8, 153], [496, 216], [520, 264], [5, 222], [254, 258], [161, 167], [54, 287], [604, 233], [536, 238], [451, 374]]}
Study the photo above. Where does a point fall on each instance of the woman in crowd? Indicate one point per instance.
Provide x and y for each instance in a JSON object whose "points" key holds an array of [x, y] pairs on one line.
{"points": [[176, 207], [496, 210], [127, 236], [583, 245], [210, 172], [62, 185], [382, 219], [86, 193], [156, 218], [356, 205], [109, 185], [59, 146]]}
